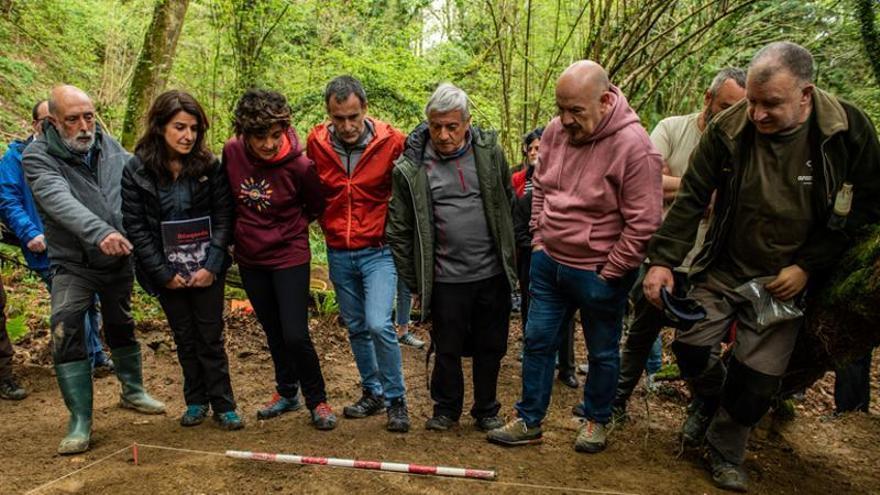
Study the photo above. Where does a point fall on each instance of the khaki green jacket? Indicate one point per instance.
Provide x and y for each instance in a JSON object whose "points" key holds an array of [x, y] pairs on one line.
{"points": [[844, 148], [409, 228]]}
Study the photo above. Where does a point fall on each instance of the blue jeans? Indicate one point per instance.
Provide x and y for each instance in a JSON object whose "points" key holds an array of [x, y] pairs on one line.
{"points": [[556, 292], [365, 281], [655, 358], [404, 303], [92, 325]]}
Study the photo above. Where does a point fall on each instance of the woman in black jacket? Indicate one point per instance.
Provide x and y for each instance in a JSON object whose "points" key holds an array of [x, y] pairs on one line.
{"points": [[178, 212]]}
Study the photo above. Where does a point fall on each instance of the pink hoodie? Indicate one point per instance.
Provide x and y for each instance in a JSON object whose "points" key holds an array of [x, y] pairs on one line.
{"points": [[599, 203]]}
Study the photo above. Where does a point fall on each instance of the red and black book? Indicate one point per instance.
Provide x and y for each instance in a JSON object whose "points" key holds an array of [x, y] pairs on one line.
{"points": [[186, 244]]}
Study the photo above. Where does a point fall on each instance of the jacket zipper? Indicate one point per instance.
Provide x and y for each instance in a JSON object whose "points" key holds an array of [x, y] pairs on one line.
{"points": [[419, 235]]}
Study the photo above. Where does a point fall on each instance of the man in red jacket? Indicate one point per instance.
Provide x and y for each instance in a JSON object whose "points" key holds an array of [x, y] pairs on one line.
{"points": [[354, 156]]}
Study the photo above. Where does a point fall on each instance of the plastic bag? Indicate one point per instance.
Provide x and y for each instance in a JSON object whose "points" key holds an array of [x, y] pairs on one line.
{"points": [[769, 311]]}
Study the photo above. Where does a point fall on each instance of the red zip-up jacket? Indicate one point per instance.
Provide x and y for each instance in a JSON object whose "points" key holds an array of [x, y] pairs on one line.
{"points": [[356, 204]]}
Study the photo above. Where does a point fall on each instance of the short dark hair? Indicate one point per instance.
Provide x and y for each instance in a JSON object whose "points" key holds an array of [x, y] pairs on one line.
{"points": [[152, 149], [738, 75], [783, 55], [35, 111], [258, 110], [530, 137], [342, 87]]}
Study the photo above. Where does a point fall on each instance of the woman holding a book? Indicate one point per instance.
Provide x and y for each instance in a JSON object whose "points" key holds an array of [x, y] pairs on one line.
{"points": [[277, 193], [178, 212]]}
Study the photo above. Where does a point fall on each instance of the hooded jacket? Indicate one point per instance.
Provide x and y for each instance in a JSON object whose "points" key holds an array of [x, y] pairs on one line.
{"points": [[844, 148], [357, 204], [274, 203], [410, 227], [18, 209], [80, 204], [596, 205]]}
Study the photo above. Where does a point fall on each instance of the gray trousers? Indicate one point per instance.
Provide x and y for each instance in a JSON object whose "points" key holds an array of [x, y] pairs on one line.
{"points": [[73, 292], [759, 360]]}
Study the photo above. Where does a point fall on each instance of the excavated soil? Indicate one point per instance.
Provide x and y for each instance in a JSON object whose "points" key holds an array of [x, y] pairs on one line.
{"points": [[811, 455]]}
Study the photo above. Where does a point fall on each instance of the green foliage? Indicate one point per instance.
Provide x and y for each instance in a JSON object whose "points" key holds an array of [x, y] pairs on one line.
{"points": [[325, 302]]}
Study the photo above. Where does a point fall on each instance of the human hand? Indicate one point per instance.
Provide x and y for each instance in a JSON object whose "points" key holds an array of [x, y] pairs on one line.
{"points": [[177, 282], [115, 244], [789, 283], [37, 244], [201, 278], [657, 277]]}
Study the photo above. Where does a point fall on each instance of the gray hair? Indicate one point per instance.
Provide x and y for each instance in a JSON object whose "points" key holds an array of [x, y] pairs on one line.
{"points": [[448, 98], [342, 87], [782, 55], [738, 75]]}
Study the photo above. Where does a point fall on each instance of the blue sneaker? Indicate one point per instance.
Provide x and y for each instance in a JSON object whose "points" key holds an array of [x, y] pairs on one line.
{"points": [[195, 415], [278, 406], [228, 420]]}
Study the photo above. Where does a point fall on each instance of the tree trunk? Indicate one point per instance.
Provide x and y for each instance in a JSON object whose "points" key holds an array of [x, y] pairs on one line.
{"points": [[153, 65], [870, 36]]}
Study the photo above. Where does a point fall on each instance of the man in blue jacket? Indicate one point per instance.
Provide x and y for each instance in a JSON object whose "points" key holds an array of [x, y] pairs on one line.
{"points": [[18, 212]]}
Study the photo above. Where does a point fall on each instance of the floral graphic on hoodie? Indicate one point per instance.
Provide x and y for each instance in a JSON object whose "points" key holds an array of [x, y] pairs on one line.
{"points": [[256, 194]]}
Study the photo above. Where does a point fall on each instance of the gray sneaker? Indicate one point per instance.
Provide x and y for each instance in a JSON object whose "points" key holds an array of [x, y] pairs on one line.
{"points": [[591, 437], [411, 340], [515, 433]]}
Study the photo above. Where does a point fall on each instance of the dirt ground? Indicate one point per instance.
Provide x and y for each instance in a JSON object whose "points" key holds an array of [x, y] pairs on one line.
{"points": [[809, 455]]}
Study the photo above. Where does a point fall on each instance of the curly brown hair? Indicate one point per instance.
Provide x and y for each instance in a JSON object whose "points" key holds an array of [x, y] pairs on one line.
{"points": [[258, 110]]}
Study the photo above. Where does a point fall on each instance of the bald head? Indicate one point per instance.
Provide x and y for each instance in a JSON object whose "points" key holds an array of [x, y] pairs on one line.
{"points": [[72, 113], [583, 97], [586, 74]]}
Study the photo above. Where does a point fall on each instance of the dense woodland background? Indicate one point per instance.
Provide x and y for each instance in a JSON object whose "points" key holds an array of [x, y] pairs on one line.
{"points": [[505, 53]]}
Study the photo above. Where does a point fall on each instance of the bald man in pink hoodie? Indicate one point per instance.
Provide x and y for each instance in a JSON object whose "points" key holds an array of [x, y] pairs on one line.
{"points": [[597, 201]]}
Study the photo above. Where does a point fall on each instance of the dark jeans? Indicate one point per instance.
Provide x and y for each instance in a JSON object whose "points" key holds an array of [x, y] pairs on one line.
{"points": [[647, 322], [557, 291], [852, 386], [280, 299], [565, 354], [196, 320], [5, 344], [469, 319], [73, 293]]}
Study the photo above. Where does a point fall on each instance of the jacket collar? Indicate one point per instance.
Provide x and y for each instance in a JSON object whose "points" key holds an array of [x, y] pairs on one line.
{"points": [[57, 148], [417, 141], [829, 114]]}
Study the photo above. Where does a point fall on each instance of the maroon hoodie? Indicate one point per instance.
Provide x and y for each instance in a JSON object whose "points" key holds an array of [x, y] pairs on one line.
{"points": [[598, 204], [274, 203]]}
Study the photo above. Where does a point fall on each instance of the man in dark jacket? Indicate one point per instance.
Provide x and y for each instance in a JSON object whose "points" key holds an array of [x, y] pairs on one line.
{"points": [[451, 234], [75, 171], [797, 173]]}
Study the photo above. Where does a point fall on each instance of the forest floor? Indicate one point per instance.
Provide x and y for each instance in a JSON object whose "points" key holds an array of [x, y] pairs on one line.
{"points": [[810, 455]]}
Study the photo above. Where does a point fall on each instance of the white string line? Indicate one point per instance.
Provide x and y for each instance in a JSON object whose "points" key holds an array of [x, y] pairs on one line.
{"points": [[204, 452], [506, 483], [35, 490]]}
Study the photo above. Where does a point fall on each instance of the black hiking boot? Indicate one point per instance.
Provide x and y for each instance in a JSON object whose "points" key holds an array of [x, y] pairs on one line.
{"points": [[726, 475], [368, 405], [11, 390], [398, 416], [693, 430]]}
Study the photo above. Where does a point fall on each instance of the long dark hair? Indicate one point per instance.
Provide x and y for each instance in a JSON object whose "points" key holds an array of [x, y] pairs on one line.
{"points": [[152, 149]]}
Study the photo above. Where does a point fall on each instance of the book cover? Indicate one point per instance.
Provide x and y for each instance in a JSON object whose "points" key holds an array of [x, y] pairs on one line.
{"points": [[186, 244]]}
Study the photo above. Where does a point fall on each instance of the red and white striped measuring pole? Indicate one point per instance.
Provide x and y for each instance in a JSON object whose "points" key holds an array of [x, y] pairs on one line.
{"points": [[370, 465]]}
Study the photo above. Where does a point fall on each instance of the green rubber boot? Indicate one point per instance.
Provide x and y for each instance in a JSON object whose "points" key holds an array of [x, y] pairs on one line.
{"points": [[75, 381], [128, 369]]}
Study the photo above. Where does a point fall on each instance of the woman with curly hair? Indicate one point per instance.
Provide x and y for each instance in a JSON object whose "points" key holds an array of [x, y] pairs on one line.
{"points": [[277, 193], [174, 182]]}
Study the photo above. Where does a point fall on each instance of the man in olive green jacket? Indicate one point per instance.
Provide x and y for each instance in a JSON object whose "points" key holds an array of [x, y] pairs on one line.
{"points": [[796, 172], [451, 234]]}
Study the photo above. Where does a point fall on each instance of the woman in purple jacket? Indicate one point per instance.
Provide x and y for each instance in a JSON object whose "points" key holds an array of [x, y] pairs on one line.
{"points": [[277, 193]]}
